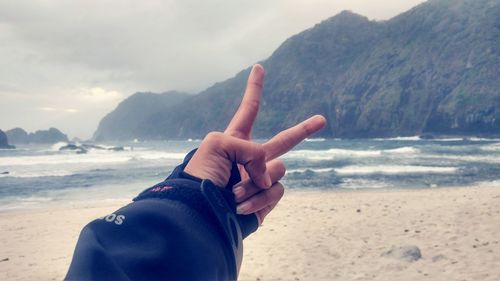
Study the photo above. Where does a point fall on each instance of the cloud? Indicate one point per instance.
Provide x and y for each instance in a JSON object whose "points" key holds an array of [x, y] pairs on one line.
{"points": [[48, 109], [98, 95]]}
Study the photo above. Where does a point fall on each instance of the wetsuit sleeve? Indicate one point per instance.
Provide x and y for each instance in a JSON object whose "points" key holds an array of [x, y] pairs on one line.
{"points": [[180, 229]]}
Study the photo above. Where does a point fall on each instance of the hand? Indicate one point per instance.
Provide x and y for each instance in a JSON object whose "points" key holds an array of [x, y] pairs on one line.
{"points": [[259, 191]]}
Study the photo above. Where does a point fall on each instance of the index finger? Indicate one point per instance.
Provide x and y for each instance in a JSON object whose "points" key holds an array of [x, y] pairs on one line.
{"points": [[242, 122], [287, 139]]}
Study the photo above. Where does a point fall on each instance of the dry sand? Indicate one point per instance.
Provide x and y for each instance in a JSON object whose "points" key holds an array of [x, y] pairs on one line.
{"points": [[311, 235]]}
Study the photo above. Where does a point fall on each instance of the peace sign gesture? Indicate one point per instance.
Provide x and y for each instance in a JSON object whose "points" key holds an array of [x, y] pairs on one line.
{"points": [[259, 191]]}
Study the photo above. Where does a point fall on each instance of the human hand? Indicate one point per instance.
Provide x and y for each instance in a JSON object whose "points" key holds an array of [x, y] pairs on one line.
{"points": [[260, 190]]}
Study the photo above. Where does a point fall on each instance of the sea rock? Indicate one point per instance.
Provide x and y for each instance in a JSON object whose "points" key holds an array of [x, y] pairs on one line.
{"points": [[405, 253], [51, 135], [17, 136], [84, 148], [4, 143], [78, 149]]}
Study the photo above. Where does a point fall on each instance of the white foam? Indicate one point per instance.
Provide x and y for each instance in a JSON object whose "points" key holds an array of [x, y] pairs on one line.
{"points": [[331, 153], [393, 169], [162, 155], [412, 138], [403, 150], [495, 183], [491, 147], [57, 146], [315, 170], [482, 139], [350, 183], [61, 159], [467, 158], [92, 157], [314, 139]]}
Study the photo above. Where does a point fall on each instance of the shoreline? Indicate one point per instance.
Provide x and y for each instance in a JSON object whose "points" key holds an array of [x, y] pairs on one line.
{"points": [[311, 235], [101, 202]]}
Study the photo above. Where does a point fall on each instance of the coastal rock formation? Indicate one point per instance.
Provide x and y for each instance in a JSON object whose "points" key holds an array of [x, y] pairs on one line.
{"points": [[84, 148], [432, 70], [20, 136], [51, 135], [4, 143], [17, 136]]}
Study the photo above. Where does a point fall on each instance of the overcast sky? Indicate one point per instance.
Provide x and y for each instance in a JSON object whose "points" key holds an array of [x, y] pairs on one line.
{"points": [[66, 64]]}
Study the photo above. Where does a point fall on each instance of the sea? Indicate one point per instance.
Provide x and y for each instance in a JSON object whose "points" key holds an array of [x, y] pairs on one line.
{"points": [[39, 175]]}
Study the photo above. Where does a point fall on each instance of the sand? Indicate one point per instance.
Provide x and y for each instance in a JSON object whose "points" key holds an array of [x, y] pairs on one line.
{"points": [[311, 235]]}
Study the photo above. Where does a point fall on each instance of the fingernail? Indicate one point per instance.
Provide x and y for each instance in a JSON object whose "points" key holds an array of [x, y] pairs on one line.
{"points": [[268, 181], [239, 192], [243, 208]]}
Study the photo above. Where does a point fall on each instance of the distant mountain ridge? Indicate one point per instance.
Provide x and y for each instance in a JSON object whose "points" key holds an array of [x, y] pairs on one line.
{"points": [[126, 122], [432, 70]]}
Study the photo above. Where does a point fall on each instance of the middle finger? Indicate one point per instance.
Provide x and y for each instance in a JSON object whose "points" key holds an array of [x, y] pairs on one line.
{"points": [[246, 189]]}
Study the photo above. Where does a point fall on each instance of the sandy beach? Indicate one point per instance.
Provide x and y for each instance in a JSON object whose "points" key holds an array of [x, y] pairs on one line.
{"points": [[311, 235]]}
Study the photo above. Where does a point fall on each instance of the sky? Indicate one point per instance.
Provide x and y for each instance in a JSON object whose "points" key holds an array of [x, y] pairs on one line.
{"points": [[66, 64]]}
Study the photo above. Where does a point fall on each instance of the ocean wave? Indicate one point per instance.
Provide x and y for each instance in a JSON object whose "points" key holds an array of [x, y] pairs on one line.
{"points": [[336, 152], [315, 170], [37, 174], [95, 157], [412, 138], [403, 150], [161, 155], [360, 183], [491, 147], [62, 159], [465, 158], [494, 183], [57, 146], [393, 170]]}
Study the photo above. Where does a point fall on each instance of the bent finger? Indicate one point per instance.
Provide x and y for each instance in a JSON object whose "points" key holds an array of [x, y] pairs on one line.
{"points": [[261, 200], [246, 189], [287, 139], [242, 122]]}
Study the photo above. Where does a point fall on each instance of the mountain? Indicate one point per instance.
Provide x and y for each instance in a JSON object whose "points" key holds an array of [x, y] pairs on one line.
{"points": [[126, 122], [20, 136], [4, 143], [431, 70]]}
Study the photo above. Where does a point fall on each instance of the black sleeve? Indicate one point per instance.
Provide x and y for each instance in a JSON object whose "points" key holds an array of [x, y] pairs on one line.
{"points": [[180, 229]]}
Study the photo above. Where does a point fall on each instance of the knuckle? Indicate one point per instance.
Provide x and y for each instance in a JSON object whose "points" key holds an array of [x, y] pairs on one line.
{"points": [[237, 134], [280, 167], [214, 136], [259, 152]]}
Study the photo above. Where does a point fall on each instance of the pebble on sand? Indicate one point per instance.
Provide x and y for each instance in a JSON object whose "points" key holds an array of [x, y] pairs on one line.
{"points": [[405, 253]]}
